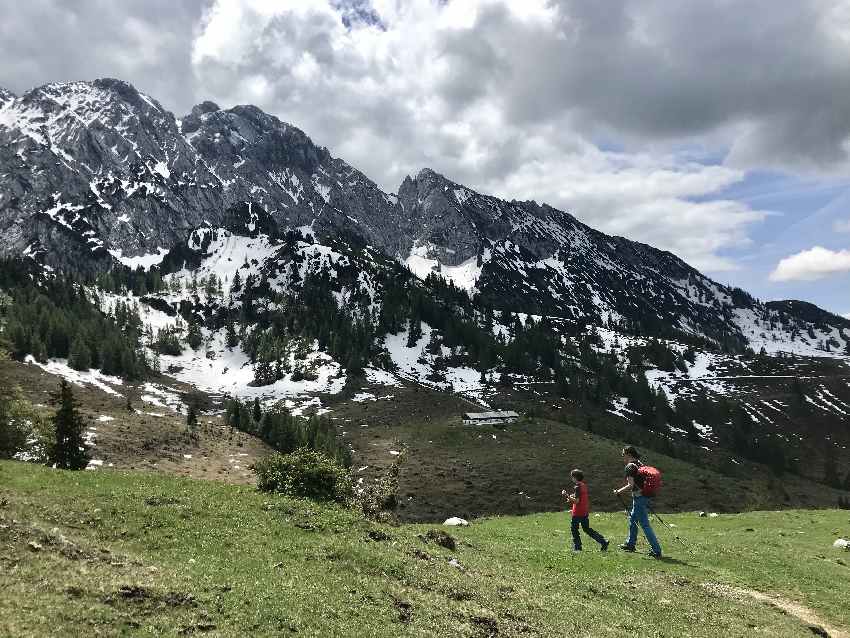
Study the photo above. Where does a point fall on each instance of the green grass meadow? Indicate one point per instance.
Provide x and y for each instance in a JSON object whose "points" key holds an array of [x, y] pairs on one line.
{"points": [[137, 554]]}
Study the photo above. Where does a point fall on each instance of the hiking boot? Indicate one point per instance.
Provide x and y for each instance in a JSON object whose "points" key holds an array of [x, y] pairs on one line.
{"points": [[604, 547], [627, 548], [655, 554]]}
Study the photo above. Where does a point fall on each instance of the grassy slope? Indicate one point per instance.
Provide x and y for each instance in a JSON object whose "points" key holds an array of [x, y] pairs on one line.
{"points": [[451, 469], [152, 438], [139, 553]]}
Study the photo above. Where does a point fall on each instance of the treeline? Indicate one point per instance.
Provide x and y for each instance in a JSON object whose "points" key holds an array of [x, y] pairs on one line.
{"points": [[595, 376], [285, 432], [55, 317]]}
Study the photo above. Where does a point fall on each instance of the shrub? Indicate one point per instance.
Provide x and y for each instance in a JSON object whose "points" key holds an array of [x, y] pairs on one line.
{"points": [[13, 430], [379, 500], [23, 433], [304, 473]]}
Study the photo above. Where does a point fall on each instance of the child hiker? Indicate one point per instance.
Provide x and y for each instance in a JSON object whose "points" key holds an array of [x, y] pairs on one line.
{"points": [[581, 511], [636, 481]]}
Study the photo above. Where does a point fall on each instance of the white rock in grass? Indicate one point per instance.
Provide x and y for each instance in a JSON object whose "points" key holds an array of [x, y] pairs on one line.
{"points": [[455, 521], [841, 543]]}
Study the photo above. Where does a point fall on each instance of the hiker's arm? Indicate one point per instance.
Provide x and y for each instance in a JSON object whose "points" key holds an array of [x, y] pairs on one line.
{"points": [[630, 483]]}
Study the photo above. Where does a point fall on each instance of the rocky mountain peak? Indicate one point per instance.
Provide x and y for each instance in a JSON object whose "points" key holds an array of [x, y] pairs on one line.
{"points": [[6, 96], [206, 106], [94, 172]]}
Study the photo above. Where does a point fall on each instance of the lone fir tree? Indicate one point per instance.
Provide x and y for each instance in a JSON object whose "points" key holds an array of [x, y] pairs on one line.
{"points": [[194, 337], [192, 419], [231, 340], [68, 450]]}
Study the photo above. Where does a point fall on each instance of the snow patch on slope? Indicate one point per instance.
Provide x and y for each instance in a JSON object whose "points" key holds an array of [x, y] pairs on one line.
{"points": [[465, 275], [91, 377], [231, 372], [145, 261]]}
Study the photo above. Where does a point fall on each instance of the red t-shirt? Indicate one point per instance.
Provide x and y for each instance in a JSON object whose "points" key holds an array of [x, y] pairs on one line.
{"points": [[582, 506]]}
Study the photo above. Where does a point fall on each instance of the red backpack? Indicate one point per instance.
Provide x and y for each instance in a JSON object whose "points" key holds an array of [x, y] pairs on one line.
{"points": [[651, 480]]}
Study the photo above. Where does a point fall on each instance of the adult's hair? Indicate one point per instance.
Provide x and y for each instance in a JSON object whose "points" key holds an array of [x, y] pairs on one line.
{"points": [[577, 475], [631, 451]]}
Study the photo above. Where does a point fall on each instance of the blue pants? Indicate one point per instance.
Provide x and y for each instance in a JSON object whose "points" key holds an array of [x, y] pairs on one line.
{"points": [[584, 521], [640, 516]]}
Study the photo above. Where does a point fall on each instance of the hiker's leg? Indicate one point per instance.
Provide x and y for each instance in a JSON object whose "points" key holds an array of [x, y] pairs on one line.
{"points": [[585, 525], [633, 528], [643, 519], [574, 528]]}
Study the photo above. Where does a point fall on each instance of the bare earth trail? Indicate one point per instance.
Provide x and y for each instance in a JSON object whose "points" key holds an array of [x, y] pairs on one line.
{"points": [[816, 625]]}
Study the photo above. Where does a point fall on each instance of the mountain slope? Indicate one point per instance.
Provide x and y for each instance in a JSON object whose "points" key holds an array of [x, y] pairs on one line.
{"points": [[525, 257], [263, 267], [93, 169]]}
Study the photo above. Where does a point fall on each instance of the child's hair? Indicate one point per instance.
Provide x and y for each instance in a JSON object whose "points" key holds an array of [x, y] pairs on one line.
{"points": [[631, 450], [578, 475]]}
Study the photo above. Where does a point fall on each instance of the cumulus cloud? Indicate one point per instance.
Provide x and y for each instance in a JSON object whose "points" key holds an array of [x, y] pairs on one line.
{"points": [[146, 43], [478, 91], [812, 264], [596, 108]]}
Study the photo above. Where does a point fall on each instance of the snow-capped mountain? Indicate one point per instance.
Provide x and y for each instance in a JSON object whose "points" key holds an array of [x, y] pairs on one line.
{"points": [[96, 172]]}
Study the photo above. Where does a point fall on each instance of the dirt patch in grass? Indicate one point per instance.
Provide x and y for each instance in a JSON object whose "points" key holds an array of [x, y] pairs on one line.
{"points": [[808, 617], [440, 538]]}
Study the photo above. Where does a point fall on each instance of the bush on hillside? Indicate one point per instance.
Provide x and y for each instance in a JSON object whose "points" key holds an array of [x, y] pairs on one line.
{"points": [[304, 473], [379, 499], [13, 423]]}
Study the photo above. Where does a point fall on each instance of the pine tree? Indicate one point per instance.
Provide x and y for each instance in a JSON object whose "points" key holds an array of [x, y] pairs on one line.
{"points": [[37, 349], [194, 337], [414, 331], [691, 431], [257, 411], [79, 358], [231, 339], [192, 419], [68, 452], [830, 471], [742, 431], [263, 373], [662, 410]]}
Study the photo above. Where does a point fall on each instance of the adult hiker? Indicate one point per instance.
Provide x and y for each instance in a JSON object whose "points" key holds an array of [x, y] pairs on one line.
{"points": [[636, 480]]}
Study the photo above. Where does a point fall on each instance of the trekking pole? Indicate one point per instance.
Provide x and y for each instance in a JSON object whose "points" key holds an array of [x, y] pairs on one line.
{"points": [[623, 503], [675, 535]]}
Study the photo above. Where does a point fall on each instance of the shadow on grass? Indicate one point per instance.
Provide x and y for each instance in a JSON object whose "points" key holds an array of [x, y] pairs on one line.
{"points": [[673, 561]]}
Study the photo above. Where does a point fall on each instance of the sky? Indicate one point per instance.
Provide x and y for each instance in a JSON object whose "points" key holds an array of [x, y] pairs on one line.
{"points": [[716, 129]]}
